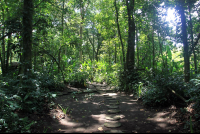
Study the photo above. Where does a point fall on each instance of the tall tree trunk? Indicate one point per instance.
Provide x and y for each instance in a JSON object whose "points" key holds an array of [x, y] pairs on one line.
{"points": [[185, 44], [138, 61], [35, 58], [131, 36], [36, 51], [192, 40], [109, 60], [99, 40], [82, 12], [115, 53], [8, 52], [93, 41], [161, 52], [81, 34], [153, 53], [59, 51], [119, 34], [149, 44], [27, 37], [3, 55]]}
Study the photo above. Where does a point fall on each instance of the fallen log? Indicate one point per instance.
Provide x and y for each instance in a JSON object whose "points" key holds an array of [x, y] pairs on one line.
{"points": [[179, 96]]}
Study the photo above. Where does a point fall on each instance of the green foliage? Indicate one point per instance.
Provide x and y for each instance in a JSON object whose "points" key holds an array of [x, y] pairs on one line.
{"points": [[156, 91], [194, 92], [139, 90], [172, 81], [48, 81], [92, 71], [77, 75], [129, 81], [9, 120], [106, 73], [63, 109], [154, 96], [63, 29], [32, 95]]}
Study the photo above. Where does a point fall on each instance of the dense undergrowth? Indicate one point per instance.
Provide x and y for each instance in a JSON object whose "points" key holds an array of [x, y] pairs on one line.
{"points": [[165, 89], [34, 94], [160, 90], [92, 71], [31, 95]]}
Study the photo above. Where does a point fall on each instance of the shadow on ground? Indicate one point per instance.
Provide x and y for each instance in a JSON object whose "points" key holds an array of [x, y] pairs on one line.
{"points": [[87, 111]]}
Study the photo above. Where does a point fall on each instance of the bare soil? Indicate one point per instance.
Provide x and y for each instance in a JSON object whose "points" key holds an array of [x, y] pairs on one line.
{"points": [[86, 113]]}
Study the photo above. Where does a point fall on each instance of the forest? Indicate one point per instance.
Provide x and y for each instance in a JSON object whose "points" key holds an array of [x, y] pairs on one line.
{"points": [[147, 48]]}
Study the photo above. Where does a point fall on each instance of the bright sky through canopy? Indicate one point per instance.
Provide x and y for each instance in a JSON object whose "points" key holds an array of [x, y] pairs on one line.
{"points": [[170, 16]]}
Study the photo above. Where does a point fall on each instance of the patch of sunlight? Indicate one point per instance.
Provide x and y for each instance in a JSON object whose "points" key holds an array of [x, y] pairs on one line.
{"points": [[99, 117], [95, 103], [161, 119], [127, 103], [84, 101], [70, 124], [162, 125], [133, 100], [112, 94]]}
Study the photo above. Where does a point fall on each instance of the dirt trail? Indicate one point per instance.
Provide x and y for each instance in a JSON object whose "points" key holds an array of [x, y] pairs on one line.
{"points": [[90, 113]]}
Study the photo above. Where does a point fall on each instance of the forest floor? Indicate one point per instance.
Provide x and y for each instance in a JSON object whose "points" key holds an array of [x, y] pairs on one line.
{"points": [[88, 112]]}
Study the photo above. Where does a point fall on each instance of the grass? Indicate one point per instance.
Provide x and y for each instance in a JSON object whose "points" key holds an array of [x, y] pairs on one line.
{"points": [[63, 109]]}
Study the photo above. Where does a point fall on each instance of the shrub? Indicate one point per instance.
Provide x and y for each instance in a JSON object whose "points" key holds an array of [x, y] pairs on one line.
{"points": [[194, 92], [30, 95], [9, 120], [154, 96]]}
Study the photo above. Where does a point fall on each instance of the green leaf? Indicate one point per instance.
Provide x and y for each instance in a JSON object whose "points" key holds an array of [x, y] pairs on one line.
{"points": [[29, 102], [27, 95], [169, 52], [54, 95]]}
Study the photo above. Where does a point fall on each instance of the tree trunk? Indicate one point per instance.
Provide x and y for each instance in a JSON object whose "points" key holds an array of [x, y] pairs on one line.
{"points": [[8, 52], [153, 53], [138, 61], [81, 33], [59, 51], [149, 50], [3, 56], [35, 58], [131, 36], [192, 40], [99, 44], [109, 59], [115, 53], [161, 51], [119, 34], [185, 44], [93, 41], [27, 37]]}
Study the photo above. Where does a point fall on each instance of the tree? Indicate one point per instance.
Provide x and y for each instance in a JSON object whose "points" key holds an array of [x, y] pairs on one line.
{"points": [[27, 28], [130, 60], [181, 8], [190, 4], [3, 67], [119, 33]]}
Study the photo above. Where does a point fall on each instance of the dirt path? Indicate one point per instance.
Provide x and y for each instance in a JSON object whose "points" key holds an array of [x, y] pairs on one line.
{"points": [[90, 113]]}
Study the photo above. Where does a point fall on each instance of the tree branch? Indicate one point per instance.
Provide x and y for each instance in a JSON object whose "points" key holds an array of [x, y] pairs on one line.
{"points": [[46, 52], [39, 4]]}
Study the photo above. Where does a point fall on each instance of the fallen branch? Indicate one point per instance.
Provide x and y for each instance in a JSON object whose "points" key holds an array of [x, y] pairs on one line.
{"points": [[179, 96]]}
